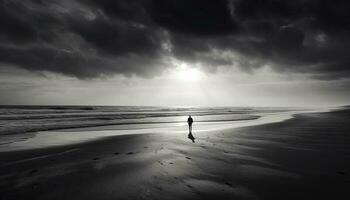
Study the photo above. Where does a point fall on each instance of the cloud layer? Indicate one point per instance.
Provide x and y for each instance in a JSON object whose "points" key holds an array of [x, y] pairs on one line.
{"points": [[93, 38]]}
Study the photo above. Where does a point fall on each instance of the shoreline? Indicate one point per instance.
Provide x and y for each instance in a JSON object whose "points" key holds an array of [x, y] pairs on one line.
{"points": [[71, 136], [293, 159]]}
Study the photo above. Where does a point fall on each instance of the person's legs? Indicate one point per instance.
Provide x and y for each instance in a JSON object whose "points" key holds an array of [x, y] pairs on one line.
{"points": [[190, 128]]}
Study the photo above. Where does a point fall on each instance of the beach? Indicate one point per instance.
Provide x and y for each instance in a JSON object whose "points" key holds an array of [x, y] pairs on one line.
{"points": [[174, 100], [305, 157]]}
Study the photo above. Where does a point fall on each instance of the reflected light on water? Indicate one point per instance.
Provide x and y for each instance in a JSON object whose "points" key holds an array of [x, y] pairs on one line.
{"points": [[57, 138]]}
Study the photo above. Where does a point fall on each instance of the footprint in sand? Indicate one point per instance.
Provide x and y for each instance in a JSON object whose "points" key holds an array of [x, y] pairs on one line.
{"points": [[159, 188], [116, 153], [188, 158], [193, 189], [130, 153], [228, 184], [183, 152], [341, 172], [33, 171], [96, 158]]}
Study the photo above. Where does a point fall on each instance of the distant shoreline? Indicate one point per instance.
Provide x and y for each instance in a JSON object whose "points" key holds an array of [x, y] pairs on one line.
{"points": [[63, 136]]}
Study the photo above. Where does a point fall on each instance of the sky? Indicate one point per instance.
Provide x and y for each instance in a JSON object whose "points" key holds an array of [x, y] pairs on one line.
{"points": [[175, 52]]}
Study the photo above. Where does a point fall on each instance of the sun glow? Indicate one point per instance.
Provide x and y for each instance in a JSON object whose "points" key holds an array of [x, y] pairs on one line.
{"points": [[185, 73]]}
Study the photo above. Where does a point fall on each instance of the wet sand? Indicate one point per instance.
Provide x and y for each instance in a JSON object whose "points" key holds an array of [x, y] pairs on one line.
{"points": [[307, 157]]}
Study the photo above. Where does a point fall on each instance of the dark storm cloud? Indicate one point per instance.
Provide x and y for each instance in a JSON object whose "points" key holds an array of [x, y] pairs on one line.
{"points": [[92, 38], [291, 36], [77, 39], [195, 17]]}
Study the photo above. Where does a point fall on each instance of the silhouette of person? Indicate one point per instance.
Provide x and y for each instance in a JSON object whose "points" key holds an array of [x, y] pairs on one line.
{"points": [[189, 122]]}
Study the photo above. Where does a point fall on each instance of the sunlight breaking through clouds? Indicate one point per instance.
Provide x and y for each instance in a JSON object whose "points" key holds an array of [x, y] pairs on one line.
{"points": [[184, 72]]}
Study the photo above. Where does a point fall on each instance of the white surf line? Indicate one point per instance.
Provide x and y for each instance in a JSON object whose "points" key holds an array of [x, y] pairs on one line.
{"points": [[266, 119], [46, 139]]}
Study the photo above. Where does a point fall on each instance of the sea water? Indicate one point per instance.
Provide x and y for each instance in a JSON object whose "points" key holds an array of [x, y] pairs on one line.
{"points": [[24, 127]]}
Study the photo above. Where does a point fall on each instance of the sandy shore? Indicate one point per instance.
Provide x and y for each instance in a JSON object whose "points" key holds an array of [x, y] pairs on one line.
{"points": [[307, 157]]}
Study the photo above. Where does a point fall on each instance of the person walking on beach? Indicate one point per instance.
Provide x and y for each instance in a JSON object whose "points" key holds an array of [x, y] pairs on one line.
{"points": [[189, 122]]}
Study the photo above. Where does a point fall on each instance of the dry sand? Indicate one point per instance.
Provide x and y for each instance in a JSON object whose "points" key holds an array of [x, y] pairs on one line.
{"points": [[307, 157]]}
